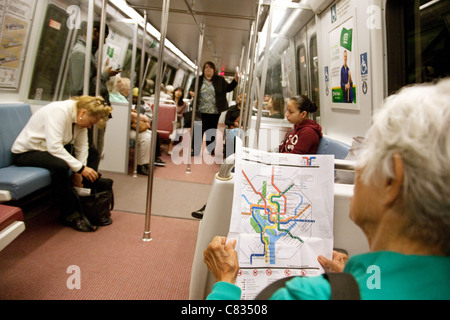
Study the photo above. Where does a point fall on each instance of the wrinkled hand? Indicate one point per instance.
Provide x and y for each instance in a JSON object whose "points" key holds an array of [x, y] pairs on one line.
{"points": [[337, 263], [89, 174], [221, 259]]}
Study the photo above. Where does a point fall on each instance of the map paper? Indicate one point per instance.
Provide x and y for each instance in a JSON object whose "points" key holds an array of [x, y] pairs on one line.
{"points": [[282, 215]]}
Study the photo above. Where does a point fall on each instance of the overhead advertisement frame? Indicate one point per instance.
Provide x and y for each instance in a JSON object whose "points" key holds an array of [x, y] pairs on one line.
{"points": [[14, 37]]}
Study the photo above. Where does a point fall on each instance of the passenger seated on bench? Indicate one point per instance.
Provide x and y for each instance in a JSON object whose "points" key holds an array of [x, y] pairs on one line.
{"points": [[232, 118], [145, 136], [43, 142], [304, 138], [401, 202], [276, 106]]}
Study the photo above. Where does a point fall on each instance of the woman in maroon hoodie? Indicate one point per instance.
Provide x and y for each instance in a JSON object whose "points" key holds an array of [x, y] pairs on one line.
{"points": [[304, 138]]}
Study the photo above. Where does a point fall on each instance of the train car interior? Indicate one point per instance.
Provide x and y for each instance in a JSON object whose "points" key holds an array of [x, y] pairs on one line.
{"points": [[154, 248]]}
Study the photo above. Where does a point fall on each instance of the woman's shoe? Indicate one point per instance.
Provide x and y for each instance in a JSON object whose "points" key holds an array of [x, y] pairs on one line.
{"points": [[76, 223], [199, 213]]}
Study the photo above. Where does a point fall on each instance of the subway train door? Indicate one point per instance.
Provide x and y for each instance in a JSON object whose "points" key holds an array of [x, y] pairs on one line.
{"points": [[307, 60]]}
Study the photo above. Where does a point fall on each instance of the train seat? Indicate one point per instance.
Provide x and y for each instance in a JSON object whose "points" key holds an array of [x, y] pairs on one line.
{"points": [[331, 146], [17, 182], [167, 120], [11, 224]]}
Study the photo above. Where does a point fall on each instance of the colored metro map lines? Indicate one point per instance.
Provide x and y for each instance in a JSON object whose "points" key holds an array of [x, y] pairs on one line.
{"points": [[280, 215]]}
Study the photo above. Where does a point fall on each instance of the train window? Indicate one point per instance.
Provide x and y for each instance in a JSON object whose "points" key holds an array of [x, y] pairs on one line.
{"points": [[273, 80], [54, 38], [302, 70], [314, 66], [418, 41]]}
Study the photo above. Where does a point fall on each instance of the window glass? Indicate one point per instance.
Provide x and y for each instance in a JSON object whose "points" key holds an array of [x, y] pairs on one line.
{"points": [[302, 70], [314, 67], [55, 36], [427, 36]]}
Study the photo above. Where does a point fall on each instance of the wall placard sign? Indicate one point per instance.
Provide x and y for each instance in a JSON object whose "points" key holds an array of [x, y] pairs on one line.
{"points": [[15, 17]]}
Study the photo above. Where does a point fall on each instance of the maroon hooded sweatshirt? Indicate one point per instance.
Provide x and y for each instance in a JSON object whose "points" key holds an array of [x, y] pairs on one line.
{"points": [[304, 138]]}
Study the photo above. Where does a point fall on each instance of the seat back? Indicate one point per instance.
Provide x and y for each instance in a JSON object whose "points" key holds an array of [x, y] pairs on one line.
{"points": [[13, 117], [331, 146], [167, 118]]}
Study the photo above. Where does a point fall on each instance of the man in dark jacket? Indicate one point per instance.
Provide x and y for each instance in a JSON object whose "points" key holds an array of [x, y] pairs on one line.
{"points": [[211, 101]]}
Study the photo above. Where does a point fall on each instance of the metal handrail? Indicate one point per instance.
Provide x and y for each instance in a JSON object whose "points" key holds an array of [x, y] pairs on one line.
{"points": [[225, 170]]}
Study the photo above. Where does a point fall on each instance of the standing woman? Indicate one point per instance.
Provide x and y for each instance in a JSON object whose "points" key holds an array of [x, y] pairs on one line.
{"points": [[45, 142], [211, 100], [304, 138]]}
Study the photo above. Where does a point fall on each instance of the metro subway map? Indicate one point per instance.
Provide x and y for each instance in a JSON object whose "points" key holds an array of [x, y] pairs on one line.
{"points": [[276, 218]]}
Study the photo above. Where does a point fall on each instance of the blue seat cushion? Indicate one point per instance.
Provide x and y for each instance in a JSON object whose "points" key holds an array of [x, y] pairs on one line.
{"points": [[13, 116], [331, 146], [21, 181]]}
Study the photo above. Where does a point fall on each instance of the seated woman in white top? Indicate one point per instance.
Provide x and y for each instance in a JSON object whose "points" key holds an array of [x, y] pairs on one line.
{"points": [[56, 138]]}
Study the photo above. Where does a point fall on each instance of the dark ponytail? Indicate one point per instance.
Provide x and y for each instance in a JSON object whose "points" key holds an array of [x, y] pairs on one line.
{"points": [[303, 103]]}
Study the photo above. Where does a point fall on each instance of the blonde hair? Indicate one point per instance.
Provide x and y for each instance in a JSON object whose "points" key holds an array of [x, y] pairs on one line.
{"points": [[96, 107]]}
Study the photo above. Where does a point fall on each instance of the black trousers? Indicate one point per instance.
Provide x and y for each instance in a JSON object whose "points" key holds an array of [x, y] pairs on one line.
{"points": [[210, 122], [62, 192]]}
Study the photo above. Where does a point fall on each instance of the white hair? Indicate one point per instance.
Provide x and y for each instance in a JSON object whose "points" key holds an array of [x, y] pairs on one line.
{"points": [[415, 123]]}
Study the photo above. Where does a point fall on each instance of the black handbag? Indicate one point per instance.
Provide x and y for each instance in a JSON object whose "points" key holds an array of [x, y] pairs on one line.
{"points": [[96, 208]]}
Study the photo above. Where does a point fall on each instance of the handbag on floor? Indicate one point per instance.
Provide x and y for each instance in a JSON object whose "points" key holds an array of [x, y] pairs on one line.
{"points": [[97, 206]]}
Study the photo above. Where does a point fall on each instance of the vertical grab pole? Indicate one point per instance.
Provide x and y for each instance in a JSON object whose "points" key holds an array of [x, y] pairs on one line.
{"points": [[100, 63], [252, 61], [264, 74], [194, 100], [101, 43], [87, 56], [138, 103], [130, 93], [164, 19]]}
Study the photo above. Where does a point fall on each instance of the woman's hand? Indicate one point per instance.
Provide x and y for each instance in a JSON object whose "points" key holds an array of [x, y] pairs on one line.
{"points": [[77, 180], [221, 259], [337, 263], [89, 174]]}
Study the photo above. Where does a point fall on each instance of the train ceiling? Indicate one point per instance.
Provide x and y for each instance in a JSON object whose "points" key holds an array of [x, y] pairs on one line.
{"points": [[227, 27]]}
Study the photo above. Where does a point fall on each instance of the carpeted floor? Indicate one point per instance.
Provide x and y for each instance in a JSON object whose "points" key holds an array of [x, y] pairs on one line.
{"points": [[175, 192], [114, 263], [170, 198]]}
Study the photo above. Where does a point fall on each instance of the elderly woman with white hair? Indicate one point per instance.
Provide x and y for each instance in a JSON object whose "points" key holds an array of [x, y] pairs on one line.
{"points": [[401, 202]]}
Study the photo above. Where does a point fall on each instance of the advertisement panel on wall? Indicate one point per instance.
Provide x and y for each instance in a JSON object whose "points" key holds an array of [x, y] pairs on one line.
{"points": [[14, 24], [343, 63]]}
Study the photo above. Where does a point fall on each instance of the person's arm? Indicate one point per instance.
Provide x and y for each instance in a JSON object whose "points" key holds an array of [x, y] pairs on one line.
{"points": [[306, 139], [81, 148], [230, 86], [76, 73], [81, 144], [55, 129]]}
